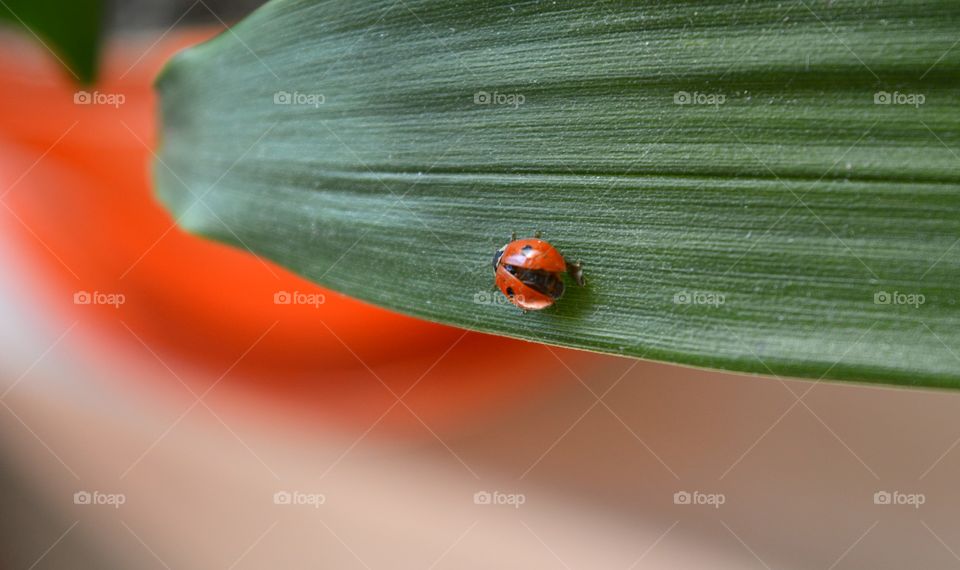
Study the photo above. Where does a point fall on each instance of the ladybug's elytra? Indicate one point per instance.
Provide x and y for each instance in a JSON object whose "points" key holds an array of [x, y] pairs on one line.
{"points": [[529, 272]]}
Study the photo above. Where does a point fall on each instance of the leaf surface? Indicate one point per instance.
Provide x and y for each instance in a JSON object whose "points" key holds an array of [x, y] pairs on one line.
{"points": [[769, 187]]}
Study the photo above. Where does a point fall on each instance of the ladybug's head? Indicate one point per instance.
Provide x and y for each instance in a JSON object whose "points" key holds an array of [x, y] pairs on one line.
{"points": [[496, 258]]}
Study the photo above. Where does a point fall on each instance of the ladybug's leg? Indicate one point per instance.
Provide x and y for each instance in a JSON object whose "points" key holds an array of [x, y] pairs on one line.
{"points": [[513, 236], [576, 271], [537, 234]]}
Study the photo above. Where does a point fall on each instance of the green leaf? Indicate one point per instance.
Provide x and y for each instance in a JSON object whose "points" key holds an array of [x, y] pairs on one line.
{"points": [[69, 30], [812, 176]]}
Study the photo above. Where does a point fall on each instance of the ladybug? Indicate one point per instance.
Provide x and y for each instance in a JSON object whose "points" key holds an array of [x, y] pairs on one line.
{"points": [[529, 272]]}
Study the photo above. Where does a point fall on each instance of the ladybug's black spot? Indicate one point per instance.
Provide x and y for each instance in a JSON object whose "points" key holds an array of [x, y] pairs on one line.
{"points": [[509, 291], [527, 250], [510, 269]]}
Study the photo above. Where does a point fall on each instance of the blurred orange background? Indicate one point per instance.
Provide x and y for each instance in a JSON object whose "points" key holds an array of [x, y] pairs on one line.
{"points": [[87, 215]]}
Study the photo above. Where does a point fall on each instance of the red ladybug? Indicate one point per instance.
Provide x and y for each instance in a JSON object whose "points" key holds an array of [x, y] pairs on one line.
{"points": [[530, 272]]}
